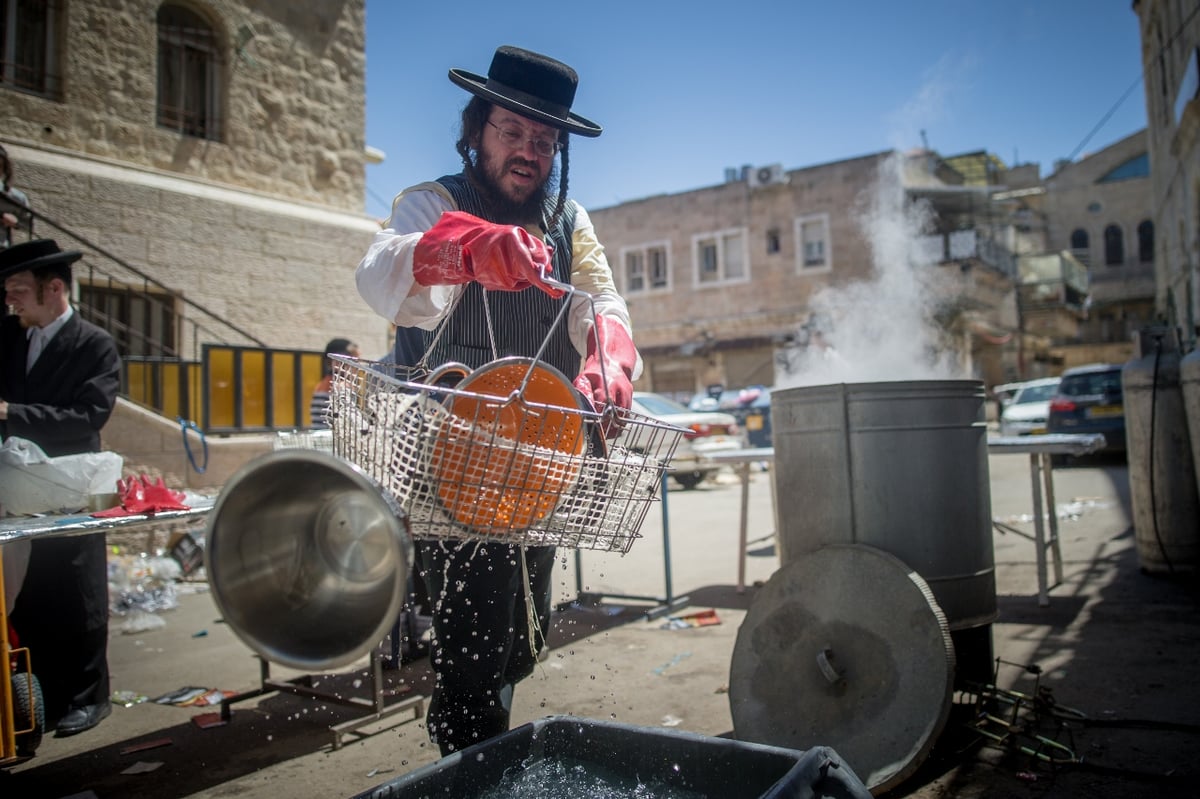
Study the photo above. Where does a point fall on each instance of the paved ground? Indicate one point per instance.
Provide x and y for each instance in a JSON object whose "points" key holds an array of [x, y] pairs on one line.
{"points": [[1116, 644]]}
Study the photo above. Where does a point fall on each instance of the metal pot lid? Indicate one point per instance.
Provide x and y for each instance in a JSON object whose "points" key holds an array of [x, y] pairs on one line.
{"points": [[847, 648]]}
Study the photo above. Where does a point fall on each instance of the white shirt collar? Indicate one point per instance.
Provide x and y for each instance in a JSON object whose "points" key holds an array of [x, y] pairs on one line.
{"points": [[50, 330]]}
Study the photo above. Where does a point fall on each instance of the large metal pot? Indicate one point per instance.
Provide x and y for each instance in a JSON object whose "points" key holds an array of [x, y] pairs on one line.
{"points": [[900, 466]]}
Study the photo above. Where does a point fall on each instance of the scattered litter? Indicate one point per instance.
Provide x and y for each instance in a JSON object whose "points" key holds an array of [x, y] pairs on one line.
{"points": [[200, 633], [377, 771], [181, 695], [1028, 776], [141, 582], [141, 767], [722, 689], [206, 720], [127, 698], [140, 621], [674, 661], [155, 743], [702, 618], [188, 552], [671, 721], [194, 696]]}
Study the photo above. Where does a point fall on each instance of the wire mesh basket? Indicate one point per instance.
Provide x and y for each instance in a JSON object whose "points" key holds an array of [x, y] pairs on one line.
{"points": [[490, 459]]}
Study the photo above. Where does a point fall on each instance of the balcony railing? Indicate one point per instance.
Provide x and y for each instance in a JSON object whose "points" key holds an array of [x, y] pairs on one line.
{"points": [[181, 359], [968, 245]]}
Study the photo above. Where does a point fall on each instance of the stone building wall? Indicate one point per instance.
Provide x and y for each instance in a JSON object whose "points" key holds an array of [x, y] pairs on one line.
{"points": [[1170, 33], [1122, 295], [292, 107], [263, 227], [283, 272], [677, 327]]}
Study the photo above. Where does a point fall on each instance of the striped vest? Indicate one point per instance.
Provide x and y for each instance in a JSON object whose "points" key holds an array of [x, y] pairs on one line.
{"points": [[522, 320]]}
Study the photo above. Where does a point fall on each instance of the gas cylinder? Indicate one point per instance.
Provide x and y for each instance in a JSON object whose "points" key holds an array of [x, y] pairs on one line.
{"points": [[1162, 476]]}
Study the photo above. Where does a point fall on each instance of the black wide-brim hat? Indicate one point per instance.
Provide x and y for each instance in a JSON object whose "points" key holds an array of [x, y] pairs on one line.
{"points": [[33, 255], [532, 85]]}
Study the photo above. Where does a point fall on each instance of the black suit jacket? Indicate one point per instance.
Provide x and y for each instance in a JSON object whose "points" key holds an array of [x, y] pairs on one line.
{"points": [[70, 392]]}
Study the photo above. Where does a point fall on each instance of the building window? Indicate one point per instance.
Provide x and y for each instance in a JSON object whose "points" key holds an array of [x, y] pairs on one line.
{"points": [[812, 238], [720, 257], [143, 323], [646, 268], [1136, 167], [1079, 245], [188, 74], [1114, 246], [29, 47], [1145, 233], [772, 241]]}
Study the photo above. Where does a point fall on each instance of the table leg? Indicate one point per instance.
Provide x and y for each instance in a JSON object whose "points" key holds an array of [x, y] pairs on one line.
{"points": [[779, 553], [1052, 513], [1039, 532], [744, 473]]}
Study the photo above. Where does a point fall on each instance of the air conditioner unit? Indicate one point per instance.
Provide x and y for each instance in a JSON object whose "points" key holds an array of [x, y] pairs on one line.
{"points": [[771, 175]]}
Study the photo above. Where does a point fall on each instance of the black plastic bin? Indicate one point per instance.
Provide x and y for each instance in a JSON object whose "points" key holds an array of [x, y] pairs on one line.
{"points": [[672, 762]]}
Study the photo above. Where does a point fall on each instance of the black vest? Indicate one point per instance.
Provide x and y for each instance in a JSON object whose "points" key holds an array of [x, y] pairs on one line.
{"points": [[522, 320]]}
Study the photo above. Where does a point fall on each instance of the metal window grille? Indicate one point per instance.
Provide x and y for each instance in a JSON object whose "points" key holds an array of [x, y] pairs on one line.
{"points": [[29, 58], [188, 74]]}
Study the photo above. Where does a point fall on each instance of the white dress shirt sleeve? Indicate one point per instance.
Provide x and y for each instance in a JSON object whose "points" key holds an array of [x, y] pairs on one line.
{"points": [[385, 274]]}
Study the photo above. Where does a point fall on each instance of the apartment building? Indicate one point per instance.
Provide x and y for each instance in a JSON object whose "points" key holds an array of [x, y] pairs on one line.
{"points": [[1100, 209], [727, 283], [207, 153]]}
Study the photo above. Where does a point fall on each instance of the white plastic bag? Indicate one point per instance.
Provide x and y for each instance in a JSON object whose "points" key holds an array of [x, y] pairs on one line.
{"points": [[33, 482]]}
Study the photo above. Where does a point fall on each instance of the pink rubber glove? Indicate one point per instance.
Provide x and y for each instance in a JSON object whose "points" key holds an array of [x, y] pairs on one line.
{"points": [[141, 495], [461, 248], [615, 348]]}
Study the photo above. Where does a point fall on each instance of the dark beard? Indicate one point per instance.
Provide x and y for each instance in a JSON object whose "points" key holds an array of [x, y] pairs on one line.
{"points": [[504, 211]]}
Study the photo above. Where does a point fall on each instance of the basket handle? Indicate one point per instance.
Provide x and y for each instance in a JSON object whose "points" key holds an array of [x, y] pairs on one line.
{"points": [[610, 412]]}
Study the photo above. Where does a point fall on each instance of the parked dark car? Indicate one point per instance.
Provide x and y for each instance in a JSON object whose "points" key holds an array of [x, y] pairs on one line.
{"points": [[1090, 400], [751, 406], [756, 419]]}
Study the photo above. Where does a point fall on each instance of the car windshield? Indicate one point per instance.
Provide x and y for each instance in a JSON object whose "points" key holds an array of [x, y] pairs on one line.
{"points": [[1036, 393], [659, 406], [1090, 383]]}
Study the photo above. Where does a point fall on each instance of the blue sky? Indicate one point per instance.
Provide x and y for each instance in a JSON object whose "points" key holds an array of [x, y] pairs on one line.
{"points": [[686, 89]]}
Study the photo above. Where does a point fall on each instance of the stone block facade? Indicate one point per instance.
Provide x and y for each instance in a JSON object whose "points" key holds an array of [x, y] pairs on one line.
{"points": [[1108, 190], [261, 223], [694, 332], [1170, 33], [802, 233], [291, 80]]}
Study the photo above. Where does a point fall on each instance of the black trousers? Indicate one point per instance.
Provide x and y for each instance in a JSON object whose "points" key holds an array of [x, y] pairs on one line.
{"points": [[480, 648], [62, 616]]}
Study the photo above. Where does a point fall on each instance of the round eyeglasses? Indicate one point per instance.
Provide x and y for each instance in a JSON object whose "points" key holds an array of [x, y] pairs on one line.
{"points": [[515, 139]]}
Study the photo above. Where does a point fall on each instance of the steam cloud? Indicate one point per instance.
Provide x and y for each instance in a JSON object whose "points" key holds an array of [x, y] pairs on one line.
{"points": [[881, 328]]}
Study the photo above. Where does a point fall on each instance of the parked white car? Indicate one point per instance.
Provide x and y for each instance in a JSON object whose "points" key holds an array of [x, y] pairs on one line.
{"points": [[711, 431], [1026, 413]]}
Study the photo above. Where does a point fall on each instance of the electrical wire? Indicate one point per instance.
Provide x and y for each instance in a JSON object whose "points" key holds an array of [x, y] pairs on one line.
{"points": [[1106, 117], [1139, 81]]}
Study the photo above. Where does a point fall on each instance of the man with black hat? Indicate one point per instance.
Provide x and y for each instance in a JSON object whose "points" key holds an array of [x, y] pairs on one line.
{"points": [[59, 377], [463, 264]]}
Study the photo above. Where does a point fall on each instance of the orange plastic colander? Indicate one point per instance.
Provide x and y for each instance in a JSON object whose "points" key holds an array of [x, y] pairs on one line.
{"points": [[511, 446]]}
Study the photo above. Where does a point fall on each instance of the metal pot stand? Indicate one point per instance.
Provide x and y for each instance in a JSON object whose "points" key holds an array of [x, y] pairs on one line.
{"points": [[847, 648]]}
